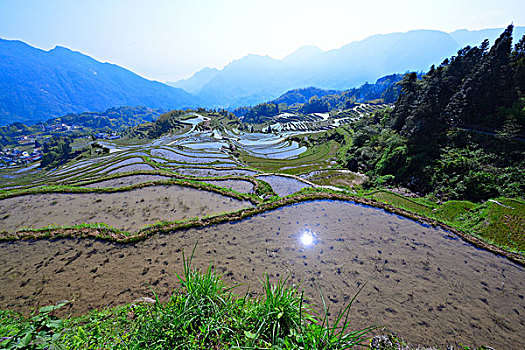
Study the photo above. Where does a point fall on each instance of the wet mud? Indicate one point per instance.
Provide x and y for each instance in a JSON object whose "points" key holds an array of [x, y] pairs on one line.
{"points": [[127, 181], [127, 210], [421, 282]]}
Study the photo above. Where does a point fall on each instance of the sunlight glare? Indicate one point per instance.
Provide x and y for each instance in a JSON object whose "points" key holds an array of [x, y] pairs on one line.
{"points": [[307, 238]]}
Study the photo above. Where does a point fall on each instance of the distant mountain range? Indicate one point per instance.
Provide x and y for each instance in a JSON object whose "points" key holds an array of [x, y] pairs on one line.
{"points": [[253, 79], [36, 85], [194, 84]]}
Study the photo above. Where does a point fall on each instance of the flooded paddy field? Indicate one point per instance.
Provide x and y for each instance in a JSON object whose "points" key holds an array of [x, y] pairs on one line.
{"points": [[283, 185], [423, 283], [240, 186], [131, 167], [209, 172], [127, 181], [127, 210]]}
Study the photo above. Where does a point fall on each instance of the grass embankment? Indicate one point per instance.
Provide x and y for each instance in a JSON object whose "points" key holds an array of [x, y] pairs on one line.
{"points": [[499, 222], [348, 142], [203, 313]]}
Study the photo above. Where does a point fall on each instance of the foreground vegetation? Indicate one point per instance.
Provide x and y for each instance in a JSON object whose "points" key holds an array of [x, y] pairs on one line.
{"points": [[203, 313]]}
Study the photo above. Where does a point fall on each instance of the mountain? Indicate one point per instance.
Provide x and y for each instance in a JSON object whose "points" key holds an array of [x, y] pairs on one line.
{"points": [[197, 81], [303, 95], [253, 79], [256, 78], [473, 37], [247, 81], [303, 55], [337, 99], [36, 85]]}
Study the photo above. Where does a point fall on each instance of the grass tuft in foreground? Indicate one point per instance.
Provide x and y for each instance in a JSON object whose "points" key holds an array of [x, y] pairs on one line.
{"points": [[203, 313]]}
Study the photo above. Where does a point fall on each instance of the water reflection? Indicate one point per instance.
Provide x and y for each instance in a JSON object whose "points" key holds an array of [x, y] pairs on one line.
{"points": [[308, 237]]}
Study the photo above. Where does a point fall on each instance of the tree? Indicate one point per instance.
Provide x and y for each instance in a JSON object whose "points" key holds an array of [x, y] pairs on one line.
{"points": [[518, 61], [407, 97], [57, 150], [456, 132], [315, 105], [489, 87]]}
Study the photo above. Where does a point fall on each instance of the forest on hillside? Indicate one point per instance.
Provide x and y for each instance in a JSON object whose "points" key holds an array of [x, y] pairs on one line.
{"points": [[456, 133], [314, 100]]}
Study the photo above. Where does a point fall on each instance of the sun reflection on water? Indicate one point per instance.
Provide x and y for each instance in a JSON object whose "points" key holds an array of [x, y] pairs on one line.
{"points": [[308, 237]]}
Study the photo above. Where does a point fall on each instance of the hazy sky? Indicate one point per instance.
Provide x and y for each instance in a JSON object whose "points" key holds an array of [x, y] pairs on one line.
{"points": [[169, 40]]}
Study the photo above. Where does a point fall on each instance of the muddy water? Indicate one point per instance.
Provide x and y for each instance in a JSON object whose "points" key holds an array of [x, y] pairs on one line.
{"points": [[128, 210], [240, 186], [208, 172], [131, 167], [429, 287], [127, 181], [283, 185]]}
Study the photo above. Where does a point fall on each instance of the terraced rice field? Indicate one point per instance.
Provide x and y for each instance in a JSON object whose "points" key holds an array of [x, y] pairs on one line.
{"points": [[202, 156], [413, 284]]}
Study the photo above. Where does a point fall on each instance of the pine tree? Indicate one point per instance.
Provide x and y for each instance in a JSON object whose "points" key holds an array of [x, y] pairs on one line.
{"points": [[488, 88]]}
